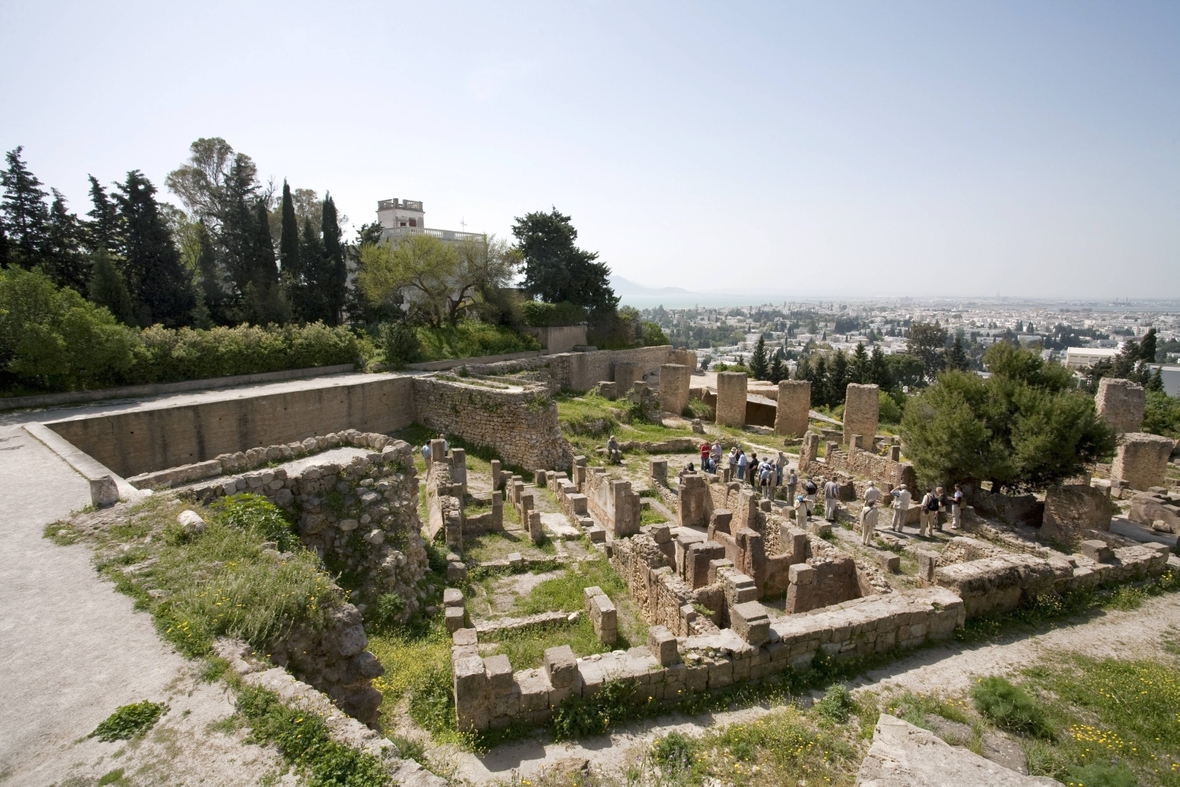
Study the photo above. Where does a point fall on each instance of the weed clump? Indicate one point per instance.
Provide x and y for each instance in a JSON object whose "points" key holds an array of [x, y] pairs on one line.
{"points": [[836, 704], [129, 721], [1010, 707]]}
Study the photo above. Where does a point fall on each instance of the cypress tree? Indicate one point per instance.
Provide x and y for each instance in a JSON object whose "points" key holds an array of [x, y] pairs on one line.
{"points": [[758, 365], [64, 261], [778, 371], [1147, 346], [292, 266], [23, 212], [311, 257], [213, 283], [157, 280], [102, 230], [239, 231], [838, 375], [335, 277], [107, 287], [264, 272], [956, 356]]}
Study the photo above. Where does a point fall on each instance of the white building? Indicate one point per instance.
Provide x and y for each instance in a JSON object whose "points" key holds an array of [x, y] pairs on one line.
{"points": [[402, 217], [1084, 357]]}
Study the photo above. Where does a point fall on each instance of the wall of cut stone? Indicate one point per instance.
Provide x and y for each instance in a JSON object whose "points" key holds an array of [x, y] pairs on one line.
{"points": [[821, 582], [730, 409], [1121, 403], [147, 440], [862, 410], [674, 380], [794, 407], [1073, 511], [853, 461], [611, 502], [1141, 460], [520, 426]]}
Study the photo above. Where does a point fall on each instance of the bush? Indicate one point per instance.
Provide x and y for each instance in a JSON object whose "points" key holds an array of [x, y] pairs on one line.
{"points": [[544, 315], [836, 704], [891, 411], [653, 335], [399, 343], [1010, 707], [675, 751], [129, 721], [472, 339]]}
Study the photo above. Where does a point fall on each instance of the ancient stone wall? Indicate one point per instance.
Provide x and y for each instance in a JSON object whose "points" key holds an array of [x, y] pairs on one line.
{"points": [[1121, 403], [1072, 511], [1141, 460], [853, 461], [731, 399], [611, 502], [674, 379], [821, 582], [862, 410], [684, 358], [520, 426], [444, 502], [661, 596], [157, 438], [361, 516], [794, 407]]}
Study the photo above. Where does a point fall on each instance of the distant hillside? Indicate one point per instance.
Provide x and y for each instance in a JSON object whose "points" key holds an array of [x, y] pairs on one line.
{"points": [[625, 288]]}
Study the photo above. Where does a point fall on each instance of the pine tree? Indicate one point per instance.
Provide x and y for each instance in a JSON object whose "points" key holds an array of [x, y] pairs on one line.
{"points": [[238, 231], [159, 286], [311, 256], [956, 356], [820, 392], [64, 261], [107, 287], [758, 365], [335, 276], [859, 369], [1147, 346], [1156, 381], [879, 370], [803, 369], [23, 213], [778, 370], [102, 231], [838, 375]]}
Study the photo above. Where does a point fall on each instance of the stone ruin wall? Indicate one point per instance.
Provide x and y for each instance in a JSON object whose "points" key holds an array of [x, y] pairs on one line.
{"points": [[794, 408], [730, 409], [520, 426], [862, 410], [887, 472], [581, 371], [674, 383], [361, 518], [611, 502], [444, 500], [1141, 460], [1121, 403], [1072, 511]]}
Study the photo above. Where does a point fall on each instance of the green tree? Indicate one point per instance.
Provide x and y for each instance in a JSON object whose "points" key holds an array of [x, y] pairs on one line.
{"points": [[838, 378], [879, 370], [653, 334], [334, 272], [860, 367], [102, 231], [269, 305], [23, 213], [1147, 346], [556, 270], [1025, 427], [759, 367], [159, 286], [63, 258], [927, 342], [821, 392], [289, 240], [1162, 415], [956, 356], [778, 369], [107, 288], [422, 269]]}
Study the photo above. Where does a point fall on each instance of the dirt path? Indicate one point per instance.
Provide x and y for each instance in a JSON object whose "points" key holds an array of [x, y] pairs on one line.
{"points": [[72, 650], [949, 669]]}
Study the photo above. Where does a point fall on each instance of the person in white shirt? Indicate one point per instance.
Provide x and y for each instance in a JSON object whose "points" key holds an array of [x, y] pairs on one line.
{"points": [[901, 504], [872, 493], [831, 499], [957, 508], [868, 521]]}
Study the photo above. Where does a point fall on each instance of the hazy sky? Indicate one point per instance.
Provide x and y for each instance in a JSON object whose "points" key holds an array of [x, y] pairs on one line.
{"points": [[1027, 148]]}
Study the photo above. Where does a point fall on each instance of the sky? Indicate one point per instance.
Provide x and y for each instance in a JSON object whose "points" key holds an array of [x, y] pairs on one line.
{"points": [[782, 149]]}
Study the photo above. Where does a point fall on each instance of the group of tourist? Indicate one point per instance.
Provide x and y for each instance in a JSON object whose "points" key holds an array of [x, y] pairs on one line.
{"points": [[932, 502]]}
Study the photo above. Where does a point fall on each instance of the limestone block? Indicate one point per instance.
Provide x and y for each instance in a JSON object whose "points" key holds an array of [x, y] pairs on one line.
{"points": [[674, 381], [1098, 551], [661, 534], [453, 597], [561, 666], [862, 410], [499, 674], [456, 572], [750, 622], [1141, 461], [889, 561], [455, 618], [662, 644], [1121, 403], [659, 471], [626, 373], [577, 504], [465, 638], [801, 574], [103, 492], [1074, 510], [596, 534], [794, 406], [731, 399], [191, 522], [927, 564]]}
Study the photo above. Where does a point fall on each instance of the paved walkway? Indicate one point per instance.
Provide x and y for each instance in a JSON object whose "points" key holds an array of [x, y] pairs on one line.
{"points": [[72, 650]]}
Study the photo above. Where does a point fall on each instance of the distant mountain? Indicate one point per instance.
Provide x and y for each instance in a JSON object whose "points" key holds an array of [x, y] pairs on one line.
{"points": [[625, 288]]}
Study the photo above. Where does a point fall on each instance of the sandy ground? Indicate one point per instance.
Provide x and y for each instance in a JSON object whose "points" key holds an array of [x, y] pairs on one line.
{"points": [[946, 669], [72, 650]]}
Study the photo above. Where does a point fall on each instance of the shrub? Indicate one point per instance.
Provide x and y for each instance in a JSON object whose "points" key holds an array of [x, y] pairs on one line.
{"points": [[544, 315], [129, 721], [653, 335], [836, 704], [472, 339], [400, 344], [675, 751], [1010, 707]]}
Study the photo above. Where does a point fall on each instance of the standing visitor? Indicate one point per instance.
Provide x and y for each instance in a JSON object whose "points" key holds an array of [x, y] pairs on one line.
{"points": [[901, 504], [868, 521], [957, 508], [831, 498], [792, 482]]}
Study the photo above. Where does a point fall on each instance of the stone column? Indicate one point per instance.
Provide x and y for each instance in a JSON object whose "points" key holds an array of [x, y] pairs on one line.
{"points": [[459, 469], [1141, 461], [1121, 403], [626, 373], [731, 399], [794, 406], [862, 410], [674, 379]]}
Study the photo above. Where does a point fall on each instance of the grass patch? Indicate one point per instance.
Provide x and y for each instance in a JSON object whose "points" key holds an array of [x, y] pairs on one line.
{"points": [[129, 721], [648, 515], [526, 648], [1010, 707], [565, 592]]}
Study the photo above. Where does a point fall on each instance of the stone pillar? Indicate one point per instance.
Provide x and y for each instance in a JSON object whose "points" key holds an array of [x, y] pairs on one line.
{"points": [[862, 410], [659, 471], [1121, 403], [794, 407], [459, 469], [808, 451], [694, 501], [495, 463], [686, 357], [498, 510], [626, 373], [438, 451], [626, 509], [731, 399], [674, 379], [533, 521], [1141, 461]]}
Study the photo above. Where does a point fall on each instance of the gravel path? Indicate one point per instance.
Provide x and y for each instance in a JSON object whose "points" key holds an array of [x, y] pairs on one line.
{"points": [[72, 650]]}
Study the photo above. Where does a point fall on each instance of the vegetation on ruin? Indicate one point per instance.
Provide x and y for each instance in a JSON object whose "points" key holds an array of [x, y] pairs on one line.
{"points": [[1025, 427], [129, 721], [526, 648], [565, 592]]}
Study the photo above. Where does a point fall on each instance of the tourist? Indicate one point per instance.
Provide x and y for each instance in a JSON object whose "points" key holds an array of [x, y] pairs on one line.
{"points": [[733, 463], [753, 474], [929, 512], [957, 508], [868, 521], [809, 493], [613, 454], [765, 474], [426, 452], [716, 455], [742, 464], [792, 482], [686, 471], [943, 504], [831, 498], [779, 465], [901, 504], [872, 494], [706, 449], [801, 512], [446, 445]]}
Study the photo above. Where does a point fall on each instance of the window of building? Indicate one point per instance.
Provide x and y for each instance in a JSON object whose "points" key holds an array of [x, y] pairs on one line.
{"points": [[413, 222]]}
